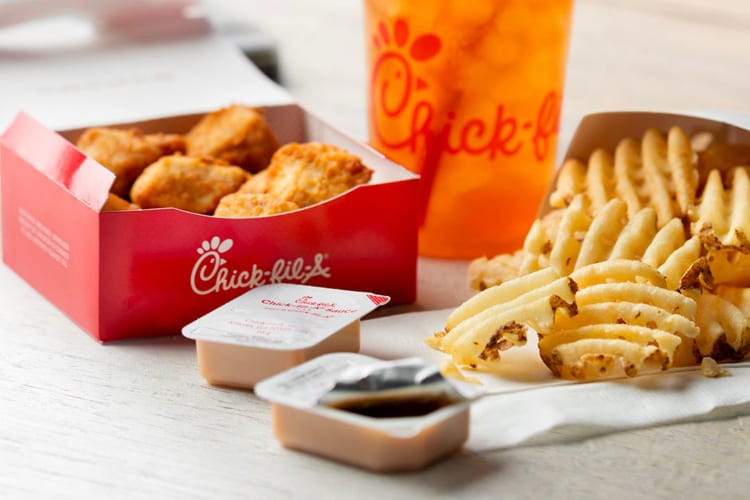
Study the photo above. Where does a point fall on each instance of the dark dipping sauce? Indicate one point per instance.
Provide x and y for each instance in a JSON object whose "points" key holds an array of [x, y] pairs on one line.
{"points": [[395, 407]]}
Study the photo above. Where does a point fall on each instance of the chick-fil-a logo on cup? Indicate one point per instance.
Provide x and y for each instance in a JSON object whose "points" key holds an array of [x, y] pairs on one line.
{"points": [[212, 273], [395, 87]]}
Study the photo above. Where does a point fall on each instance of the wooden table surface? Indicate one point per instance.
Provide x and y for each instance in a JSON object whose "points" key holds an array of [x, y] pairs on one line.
{"points": [[81, 420]]}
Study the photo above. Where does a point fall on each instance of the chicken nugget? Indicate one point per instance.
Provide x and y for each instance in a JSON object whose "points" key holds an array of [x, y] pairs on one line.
{"points": [[252, 205], [312, 172], [192, 184], [258, 183], [127, 152], [116, 204], [238, 135]]}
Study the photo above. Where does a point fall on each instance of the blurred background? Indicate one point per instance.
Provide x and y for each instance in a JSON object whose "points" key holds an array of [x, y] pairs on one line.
{"points": [[621, 54], [624, 54]]}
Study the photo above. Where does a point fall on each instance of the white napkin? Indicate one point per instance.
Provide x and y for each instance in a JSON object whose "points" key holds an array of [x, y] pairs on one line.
{"points": [[524, 402]]}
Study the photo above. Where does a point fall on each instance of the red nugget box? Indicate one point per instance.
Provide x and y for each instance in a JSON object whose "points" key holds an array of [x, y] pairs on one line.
{"points": [[150, 272]]}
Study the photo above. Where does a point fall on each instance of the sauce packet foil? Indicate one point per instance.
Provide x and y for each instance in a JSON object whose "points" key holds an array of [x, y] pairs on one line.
{"points": [[400, 388]]}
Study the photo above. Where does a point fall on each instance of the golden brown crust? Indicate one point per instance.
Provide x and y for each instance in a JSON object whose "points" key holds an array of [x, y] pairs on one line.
{"points": [[115, 204], [252, 205], [258, 183], [127, 152], [312, 172], [238, 135], [192, 184]]}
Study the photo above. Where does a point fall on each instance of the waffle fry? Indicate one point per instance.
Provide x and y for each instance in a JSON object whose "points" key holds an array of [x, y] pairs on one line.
{"points": [[631, 313], [644, 293], [532, 285], [477, 343], [684, 173], [722, 217], [596, 180], [729, 267], [484, 272], [571, 180], [610, 235], [669, 172], [500, 294], [724, 324], [471, 313], [595, 351], [580, 277], [669, 240], [497, 318], [538, 242], [625, 326], [656, 172], [601, 235], [621, 270], [737, 295], [600, 180], [632, 240], [629, 173], [568, 241]]}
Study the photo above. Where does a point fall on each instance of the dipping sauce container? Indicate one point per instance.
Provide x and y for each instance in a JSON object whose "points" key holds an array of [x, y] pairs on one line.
{"points": [[275, 327], [387, 421]]}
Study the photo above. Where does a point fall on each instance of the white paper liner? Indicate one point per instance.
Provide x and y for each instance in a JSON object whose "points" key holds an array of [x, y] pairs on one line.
{"points": [[525, 402]]}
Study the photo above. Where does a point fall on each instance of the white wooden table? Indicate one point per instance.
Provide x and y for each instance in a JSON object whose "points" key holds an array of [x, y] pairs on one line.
{"points": [[135, 419]]}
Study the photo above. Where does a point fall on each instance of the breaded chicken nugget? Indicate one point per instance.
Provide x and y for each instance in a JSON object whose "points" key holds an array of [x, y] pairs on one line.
{"points": [[312, 172], [252, 205], [127, 152], [238, 135], [258, 183], [192, 184], [116, 204]]}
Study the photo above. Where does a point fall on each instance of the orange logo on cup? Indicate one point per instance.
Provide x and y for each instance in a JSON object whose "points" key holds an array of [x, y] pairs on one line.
{"points": [[395, 85], [392, 79]]}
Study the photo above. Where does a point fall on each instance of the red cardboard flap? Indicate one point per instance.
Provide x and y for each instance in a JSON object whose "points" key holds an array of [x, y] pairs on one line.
{"points": [[59, 160]]}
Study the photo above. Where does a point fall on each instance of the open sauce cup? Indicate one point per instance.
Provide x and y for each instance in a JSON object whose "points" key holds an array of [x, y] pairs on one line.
{"points": [[385, 416]]}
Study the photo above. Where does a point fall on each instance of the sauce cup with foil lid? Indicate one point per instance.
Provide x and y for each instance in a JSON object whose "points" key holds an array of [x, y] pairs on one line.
{"points": [[385, 416], [275, 327]]}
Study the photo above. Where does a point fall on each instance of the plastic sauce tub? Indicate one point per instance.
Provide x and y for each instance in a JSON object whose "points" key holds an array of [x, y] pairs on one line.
{"points": [[275, 327], [392, 441]]}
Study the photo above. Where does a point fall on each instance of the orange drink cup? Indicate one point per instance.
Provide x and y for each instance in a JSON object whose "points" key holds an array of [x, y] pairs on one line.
{"points": [[467, 93]]}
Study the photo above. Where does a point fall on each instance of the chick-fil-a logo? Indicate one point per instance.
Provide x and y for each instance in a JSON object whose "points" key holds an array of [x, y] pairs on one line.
{"points": [[211, 273], [394, 91]]}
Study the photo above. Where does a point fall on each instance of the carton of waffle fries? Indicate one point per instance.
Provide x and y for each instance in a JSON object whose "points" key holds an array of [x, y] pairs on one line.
{"points": [[637, 261]]}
